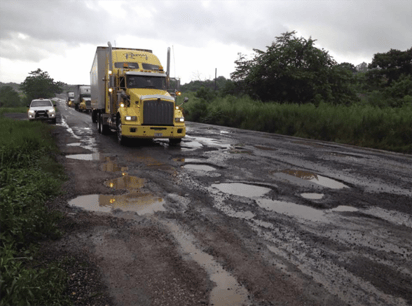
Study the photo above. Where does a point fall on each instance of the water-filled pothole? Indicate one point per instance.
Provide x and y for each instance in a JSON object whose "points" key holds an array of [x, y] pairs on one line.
{"points": [[312, 196], [199, 167], [240, 189], [227, 290], [110, 166], [315, 178], [92, 156], [344, 208], [141, 203], [291, 209], [125, 182]]}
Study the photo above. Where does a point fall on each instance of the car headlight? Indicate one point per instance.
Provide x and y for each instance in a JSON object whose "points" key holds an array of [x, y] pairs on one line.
{"points": [[31, 112], [130, 118], [179, 119]]}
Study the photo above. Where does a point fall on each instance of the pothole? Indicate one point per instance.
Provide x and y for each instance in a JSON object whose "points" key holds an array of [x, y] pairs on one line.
{"points": [[141, 203], [125, 182], [312, 196], [227, 290], [291, 209], [240, 189], [110, 166], [92, 156], [199, 167], [315, 178]]}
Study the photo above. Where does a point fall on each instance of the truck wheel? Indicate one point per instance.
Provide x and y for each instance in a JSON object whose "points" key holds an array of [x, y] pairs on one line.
{"points": [[94, 117], [103, 129], [120, 138], [98, 122], [174, 141]]}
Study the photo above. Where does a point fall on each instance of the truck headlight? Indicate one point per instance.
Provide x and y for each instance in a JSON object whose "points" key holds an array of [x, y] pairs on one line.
{"points": [[51, 111], [31, 112], [130, 118], [180, 119]]}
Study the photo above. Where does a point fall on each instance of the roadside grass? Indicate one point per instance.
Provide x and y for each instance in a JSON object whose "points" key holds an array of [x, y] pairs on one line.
{"points": [[361, 125], [29, 177], [4, 110]]}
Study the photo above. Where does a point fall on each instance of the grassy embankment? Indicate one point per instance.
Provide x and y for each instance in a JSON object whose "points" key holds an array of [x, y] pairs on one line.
{"points": [[29, 177], [359, 124]]}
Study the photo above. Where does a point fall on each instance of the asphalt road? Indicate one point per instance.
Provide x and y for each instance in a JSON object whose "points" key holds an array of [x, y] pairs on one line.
{"points": [[237, 217]]}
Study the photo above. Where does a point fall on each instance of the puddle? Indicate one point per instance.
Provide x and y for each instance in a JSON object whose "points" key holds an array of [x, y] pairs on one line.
{"points": [[199, 167], [240, 189], [110, 166], [125, 182], [314, 178], [188, 160], [92, 156], [198, 142], [141, 203], [74, 144], [312, 196], [344, 208], [227, 290], [291, 209]]}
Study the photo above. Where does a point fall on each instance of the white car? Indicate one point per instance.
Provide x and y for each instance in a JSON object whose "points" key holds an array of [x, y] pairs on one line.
{"points": [[42, 109]]}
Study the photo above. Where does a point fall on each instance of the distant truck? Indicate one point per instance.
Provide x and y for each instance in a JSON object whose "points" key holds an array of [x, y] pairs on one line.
{"points": [[70, 98], [82, 98], [130, 94]]}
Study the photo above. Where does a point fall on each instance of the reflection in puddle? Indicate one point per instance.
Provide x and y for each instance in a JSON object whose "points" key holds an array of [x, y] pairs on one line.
{"points": [[198, 142], [240, 189], [141, 203], [112, 167], [125, 182], [314, 178], [74, 144], [312, 196], [292, 209], [93, 156], [227, 290], [199, 167]]}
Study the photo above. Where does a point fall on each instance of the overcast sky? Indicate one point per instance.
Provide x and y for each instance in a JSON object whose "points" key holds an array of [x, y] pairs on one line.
{"points": [[61, 36]]}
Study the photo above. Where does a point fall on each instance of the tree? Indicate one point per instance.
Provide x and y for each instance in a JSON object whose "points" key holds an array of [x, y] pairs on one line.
{"points": [[9, 97], [40, 85], [293, 70], [388, 67]]}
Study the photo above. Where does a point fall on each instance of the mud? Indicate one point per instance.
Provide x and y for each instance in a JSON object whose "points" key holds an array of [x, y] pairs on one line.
{"points": [[235, 217]]}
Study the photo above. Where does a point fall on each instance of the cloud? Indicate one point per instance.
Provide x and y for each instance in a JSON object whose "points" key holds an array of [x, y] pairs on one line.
{"points": [[204, 31]]}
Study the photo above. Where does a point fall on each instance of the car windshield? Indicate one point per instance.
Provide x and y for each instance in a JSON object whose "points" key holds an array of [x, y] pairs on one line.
{"points": [[37, 103], [137, 81]]}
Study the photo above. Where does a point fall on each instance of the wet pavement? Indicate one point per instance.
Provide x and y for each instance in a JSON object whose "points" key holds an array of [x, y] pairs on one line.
{"points": [[270, 219]]}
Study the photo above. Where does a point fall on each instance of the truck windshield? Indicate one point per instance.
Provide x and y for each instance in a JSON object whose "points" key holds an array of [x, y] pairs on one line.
{"points": [[137, 81]]}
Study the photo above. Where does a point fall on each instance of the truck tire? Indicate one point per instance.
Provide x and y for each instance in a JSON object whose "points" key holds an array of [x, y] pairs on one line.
{"points": [[94, 115], [174, 141], [98, 122], [120, 138], [103, 129]]}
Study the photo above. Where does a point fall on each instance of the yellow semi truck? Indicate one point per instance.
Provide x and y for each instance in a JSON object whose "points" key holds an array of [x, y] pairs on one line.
{"points": [[130, 94]]}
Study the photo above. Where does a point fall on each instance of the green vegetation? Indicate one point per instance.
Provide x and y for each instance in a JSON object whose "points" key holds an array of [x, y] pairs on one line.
{"points": [[4, 110], [294, 88], [362, 125], [9, 97], [40, 85], [29, 177]]}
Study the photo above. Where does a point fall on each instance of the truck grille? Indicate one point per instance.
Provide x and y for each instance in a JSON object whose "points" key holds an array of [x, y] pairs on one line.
{"points": [[158, 112]]}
